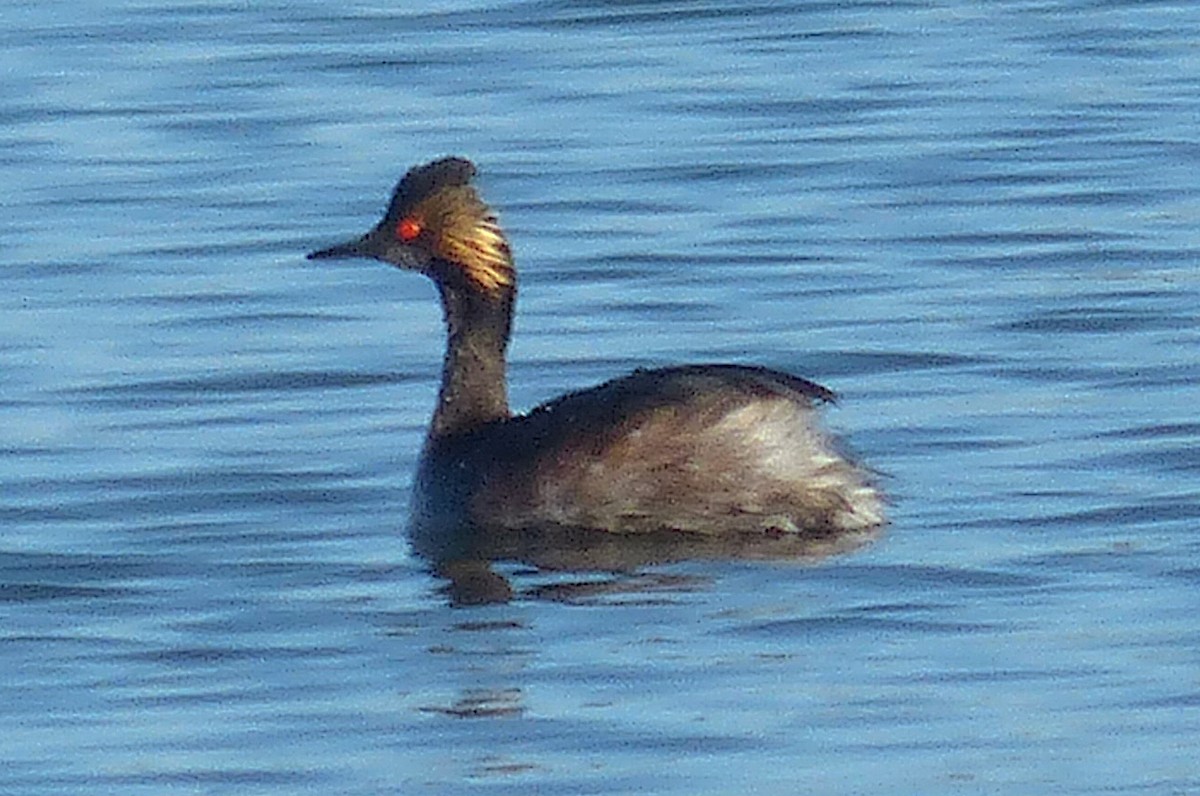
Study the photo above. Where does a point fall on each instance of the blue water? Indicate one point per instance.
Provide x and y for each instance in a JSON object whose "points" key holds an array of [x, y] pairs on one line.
{"points": [[977, 222]]}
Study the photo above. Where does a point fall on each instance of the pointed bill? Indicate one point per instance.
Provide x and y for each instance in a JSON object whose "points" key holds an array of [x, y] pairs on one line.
{"points": [[354, 248]]}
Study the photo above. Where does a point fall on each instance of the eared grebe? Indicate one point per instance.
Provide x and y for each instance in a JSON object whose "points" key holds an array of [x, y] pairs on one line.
{"points": [[704, 449]]}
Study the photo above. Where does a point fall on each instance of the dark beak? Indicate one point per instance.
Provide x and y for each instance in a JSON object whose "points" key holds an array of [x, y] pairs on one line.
{"points": [[354, 248]]}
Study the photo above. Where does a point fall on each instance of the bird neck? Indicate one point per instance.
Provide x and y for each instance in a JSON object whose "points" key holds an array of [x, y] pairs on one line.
{"points": [[474, 387]]}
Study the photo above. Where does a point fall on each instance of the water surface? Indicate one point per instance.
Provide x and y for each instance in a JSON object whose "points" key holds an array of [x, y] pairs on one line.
{"points": [[976, 223]]}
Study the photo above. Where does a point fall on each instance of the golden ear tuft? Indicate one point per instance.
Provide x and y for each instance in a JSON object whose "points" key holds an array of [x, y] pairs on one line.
{"points": [[464, 232], [482, 252]]}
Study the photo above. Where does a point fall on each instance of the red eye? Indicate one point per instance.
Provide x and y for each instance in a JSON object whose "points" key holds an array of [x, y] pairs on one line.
{"points": [[408, 229]]}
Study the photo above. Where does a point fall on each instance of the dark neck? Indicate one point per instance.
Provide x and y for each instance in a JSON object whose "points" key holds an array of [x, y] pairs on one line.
{"points": [[474, 385]]}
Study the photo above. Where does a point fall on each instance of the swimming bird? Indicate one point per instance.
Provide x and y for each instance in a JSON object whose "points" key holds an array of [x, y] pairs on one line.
{"points": [[692, 449]]}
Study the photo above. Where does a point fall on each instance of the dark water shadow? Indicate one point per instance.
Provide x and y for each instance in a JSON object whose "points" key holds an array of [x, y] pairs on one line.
{"points": [[606, 563]]}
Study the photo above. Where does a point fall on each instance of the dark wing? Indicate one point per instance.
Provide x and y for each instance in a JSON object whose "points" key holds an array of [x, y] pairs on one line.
{"points": [[683, 384], [691, 440]]}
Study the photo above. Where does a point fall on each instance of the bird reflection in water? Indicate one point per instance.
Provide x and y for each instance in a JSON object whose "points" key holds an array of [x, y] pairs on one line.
{"points": [[607, 564]]}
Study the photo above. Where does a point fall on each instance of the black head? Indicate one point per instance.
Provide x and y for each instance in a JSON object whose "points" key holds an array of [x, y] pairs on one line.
{"points": [[437, 224]]}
